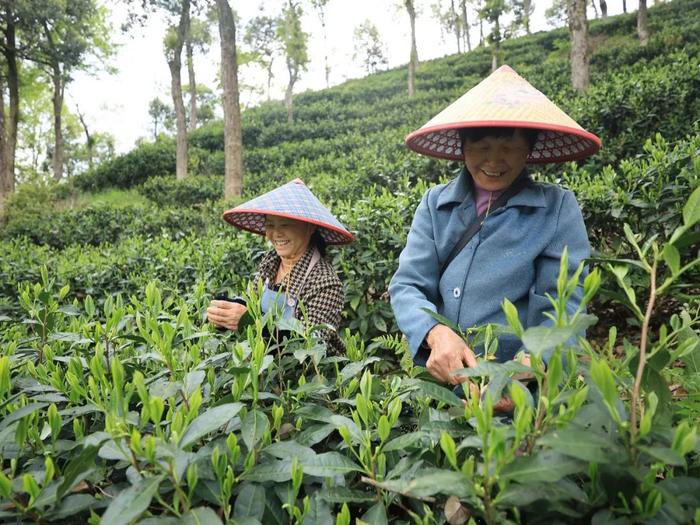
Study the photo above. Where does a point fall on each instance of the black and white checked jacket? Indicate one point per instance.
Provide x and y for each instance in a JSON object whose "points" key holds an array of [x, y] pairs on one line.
{"points": [[322, 294]]}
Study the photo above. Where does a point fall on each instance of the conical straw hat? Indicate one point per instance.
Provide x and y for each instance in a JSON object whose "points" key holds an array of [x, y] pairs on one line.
{"points": [[294, 201], [505, 99]]}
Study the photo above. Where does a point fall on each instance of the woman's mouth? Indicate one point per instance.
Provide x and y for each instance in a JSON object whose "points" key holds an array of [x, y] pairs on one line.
{"points": [[493, 174], [281, 244]]}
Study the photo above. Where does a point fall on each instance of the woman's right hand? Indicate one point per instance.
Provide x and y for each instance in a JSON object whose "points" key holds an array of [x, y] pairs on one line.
{"points": [[448, 352], [225, 314]]}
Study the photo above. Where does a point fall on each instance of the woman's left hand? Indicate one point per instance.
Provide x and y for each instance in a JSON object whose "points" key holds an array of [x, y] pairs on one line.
{"points": [[225, 314]]}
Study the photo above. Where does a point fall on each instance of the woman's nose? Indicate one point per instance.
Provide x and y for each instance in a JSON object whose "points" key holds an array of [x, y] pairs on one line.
{"points": [[494, 155]]}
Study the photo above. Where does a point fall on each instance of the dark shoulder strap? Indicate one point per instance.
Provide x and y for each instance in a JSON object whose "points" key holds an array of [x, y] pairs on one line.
{"points": [[475, 226]]}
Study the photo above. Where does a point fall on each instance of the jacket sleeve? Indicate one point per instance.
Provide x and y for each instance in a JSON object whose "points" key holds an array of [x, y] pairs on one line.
{"points": [[323, 303], [570, 233], [414, 286]]}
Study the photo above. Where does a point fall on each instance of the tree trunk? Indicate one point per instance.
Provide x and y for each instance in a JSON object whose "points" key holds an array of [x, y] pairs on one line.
{"points": [[643, 23], [289, 93], [5, 188], [175, 64], [603, 9], [413, 62], [269, 79], [465, 25], [595, 8], [57, 99], [192, 85], [57, 161], [455, 20], [8, 129], [233, 143], [322, 18], [527, 5], [624, 6], [496, 45], [578, 31], [89, 142]]}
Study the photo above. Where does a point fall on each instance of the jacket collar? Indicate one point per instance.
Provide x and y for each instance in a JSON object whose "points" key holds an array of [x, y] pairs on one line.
{"points": [[461, 189], [268, 269]]}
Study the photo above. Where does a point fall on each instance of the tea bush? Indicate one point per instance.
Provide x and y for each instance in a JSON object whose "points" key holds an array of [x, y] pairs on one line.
{"points": [[99, 224], [135, 410], [167, 191], [131, 169]]}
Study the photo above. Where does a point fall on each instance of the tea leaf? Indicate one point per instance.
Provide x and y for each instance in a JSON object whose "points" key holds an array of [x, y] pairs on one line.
{"points": [[77, 470], [319, 512], [253, 427], [546, 466], [250, 502], [376, 515], [427, 482], [200, 516], [582, 444], [130, 503], [435, 391], [209, 421], [691, 210]]}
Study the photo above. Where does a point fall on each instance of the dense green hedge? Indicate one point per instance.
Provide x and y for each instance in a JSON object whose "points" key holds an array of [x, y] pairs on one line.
{"points": [[131, 169], [100, 224], [167, 191]]}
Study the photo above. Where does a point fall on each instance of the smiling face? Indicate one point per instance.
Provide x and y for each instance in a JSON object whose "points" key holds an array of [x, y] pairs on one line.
{"points": [[495, 162], [290, 238]]}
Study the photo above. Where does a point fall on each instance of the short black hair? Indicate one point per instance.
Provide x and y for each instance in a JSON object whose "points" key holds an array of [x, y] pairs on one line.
{"points": [[318, 241], [476, 134]]}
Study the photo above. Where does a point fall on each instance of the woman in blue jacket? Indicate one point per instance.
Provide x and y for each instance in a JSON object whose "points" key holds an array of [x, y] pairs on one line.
{"points": [[517, 229]]}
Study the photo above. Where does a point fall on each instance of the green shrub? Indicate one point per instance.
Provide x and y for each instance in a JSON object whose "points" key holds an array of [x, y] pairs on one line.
{"points": [[131, 169], [167, 191], [95, 225]]}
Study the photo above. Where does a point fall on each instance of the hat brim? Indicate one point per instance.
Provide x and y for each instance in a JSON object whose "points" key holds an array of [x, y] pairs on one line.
{"points": [[555, 143], [255, 223]]}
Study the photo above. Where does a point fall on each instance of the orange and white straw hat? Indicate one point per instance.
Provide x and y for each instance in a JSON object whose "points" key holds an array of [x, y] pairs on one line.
{"points": [[505, 99]]}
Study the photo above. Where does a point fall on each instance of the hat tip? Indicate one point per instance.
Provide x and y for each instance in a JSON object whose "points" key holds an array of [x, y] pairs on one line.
{"points": [[505, 68]]}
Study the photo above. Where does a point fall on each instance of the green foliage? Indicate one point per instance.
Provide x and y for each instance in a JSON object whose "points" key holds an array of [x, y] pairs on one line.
{"points": [[166, 191], [205, 421], [98, 224], [131, 169]]}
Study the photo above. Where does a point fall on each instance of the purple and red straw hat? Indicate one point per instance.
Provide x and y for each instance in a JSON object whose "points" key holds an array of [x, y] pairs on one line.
{"points": [[293, 200]]}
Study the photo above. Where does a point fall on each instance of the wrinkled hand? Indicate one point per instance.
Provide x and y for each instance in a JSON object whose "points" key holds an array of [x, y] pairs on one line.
{"points": [[225, 314], [448, 352]]}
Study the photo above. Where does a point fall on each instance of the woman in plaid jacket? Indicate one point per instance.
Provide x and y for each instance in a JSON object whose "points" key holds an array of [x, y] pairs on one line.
{"points": [[297, 279]]}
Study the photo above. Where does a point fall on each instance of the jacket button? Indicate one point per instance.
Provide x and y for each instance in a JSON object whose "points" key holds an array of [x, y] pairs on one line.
{"points": [[456, 292]]}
